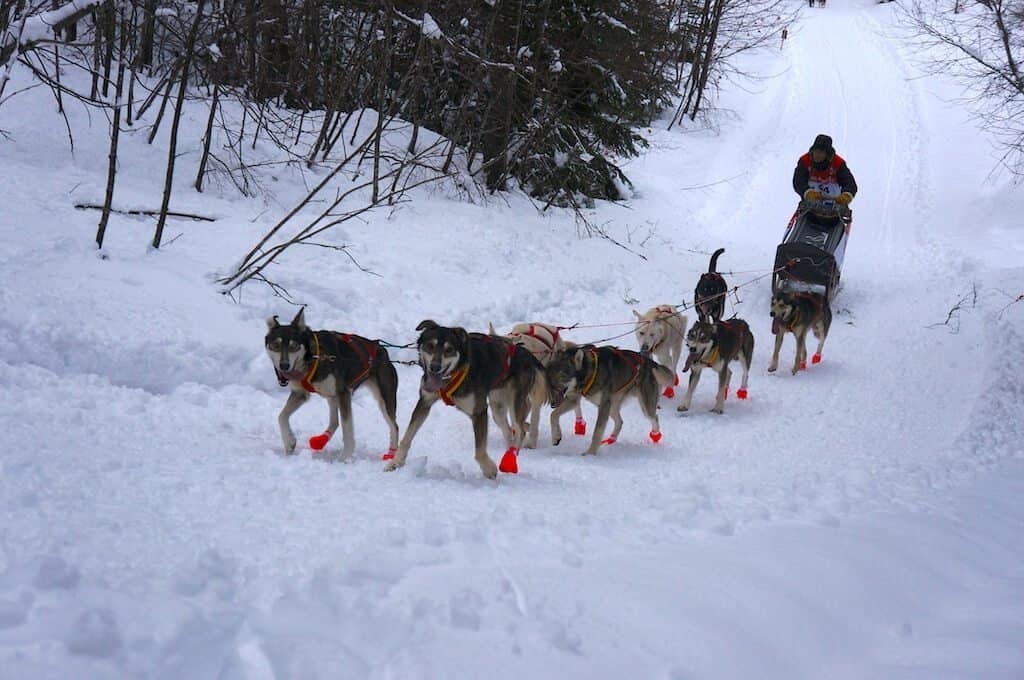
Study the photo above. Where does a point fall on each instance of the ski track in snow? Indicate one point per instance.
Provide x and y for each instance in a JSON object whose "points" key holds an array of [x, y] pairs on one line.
{"points": [[152, 529]]}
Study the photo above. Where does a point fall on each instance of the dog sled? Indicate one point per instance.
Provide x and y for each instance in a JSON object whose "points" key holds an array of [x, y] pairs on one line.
{"points": [[810, 257]]}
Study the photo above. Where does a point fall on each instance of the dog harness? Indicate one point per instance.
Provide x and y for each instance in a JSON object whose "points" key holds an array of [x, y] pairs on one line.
{"points": [[306, 385], [532, 333], [712, 358], [593, 375], [453, 384], [633, 358], [459, 376], [366, 350]]}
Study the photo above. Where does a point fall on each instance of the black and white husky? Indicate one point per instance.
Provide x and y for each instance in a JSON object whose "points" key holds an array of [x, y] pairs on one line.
{"points": [[714, 345], [605, 376], [472, 371], [332, 365]]}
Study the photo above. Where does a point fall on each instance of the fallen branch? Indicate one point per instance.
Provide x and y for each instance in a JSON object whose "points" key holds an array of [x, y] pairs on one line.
{"points": [[152, 213]]}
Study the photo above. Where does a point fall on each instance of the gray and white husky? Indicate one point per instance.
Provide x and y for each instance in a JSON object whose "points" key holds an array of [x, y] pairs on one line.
{"points": [[605, 376], [332, 365]]}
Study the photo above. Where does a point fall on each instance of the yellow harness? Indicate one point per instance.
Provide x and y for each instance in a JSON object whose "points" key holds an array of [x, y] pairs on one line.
{"points": [[454, 384], [593, 375], [306, 385]]}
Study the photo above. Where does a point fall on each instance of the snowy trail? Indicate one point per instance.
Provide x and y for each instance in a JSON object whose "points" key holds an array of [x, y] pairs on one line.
{"points": [[827, 527]]}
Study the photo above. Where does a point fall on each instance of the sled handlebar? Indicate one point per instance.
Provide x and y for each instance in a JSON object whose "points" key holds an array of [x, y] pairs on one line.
{"points": [[826, 204]]}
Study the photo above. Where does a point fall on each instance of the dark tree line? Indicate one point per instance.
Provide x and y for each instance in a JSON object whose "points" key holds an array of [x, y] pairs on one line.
{"points": [[546, 95]]}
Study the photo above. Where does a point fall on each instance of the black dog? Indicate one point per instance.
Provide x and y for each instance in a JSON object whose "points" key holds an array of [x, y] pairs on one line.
{"points": [[333, 365], [709, 296], [470, 371]]}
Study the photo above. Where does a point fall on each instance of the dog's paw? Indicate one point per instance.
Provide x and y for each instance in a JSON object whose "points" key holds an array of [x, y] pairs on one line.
{"points": [[773, 368], [319, 441], [391, 466], [289, 446], [668, 393], [816, 359], [683, 408], [489, 469], [718, 409]]}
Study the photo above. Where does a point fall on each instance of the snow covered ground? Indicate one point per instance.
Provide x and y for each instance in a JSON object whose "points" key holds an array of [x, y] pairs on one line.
{"points": [[858, 520]]}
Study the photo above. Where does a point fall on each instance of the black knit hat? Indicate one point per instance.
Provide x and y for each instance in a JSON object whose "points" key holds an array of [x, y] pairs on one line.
{"points": [[823, 142]]}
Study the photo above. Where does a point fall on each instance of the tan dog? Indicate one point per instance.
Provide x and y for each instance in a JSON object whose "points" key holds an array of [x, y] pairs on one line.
{"points": [[660, 332], [543, 342], [798, 313]]}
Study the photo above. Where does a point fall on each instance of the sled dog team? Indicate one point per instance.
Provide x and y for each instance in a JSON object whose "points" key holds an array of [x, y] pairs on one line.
{"points": [[515, 373]]}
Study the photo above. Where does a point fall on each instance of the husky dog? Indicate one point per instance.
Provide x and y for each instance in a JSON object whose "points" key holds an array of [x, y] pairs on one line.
{"points": [[470, 371], [605, 376], [798, 313], [660, 331], [332, 365], [709, 295], [543, 342], [715, 344]]}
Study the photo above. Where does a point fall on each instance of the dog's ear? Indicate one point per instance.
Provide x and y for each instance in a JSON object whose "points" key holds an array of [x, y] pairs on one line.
{"points": [[426, 325], [272, 322], [490, 328], [462, 335], [637, 314], [300, 320]]}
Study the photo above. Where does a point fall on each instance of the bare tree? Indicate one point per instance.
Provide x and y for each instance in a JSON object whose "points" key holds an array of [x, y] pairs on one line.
{"points": [[981, 42]]}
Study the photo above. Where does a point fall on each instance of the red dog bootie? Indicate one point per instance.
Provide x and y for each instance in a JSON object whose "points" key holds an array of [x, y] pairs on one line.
{"points": [[318, 442], [509, 462], [816, 359], [803, 365], [669, 392], [580, 427], [677, 379], [655, 437], [610, 440], [741, 393], [390, 455]]}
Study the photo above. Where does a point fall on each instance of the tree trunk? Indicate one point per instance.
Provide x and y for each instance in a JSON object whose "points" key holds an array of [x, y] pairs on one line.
{"points": [[207, 138], [173, 145], [115, 133]]}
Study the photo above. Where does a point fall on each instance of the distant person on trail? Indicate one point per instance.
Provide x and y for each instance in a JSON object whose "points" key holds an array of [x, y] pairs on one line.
{"points": [[822, 174]]}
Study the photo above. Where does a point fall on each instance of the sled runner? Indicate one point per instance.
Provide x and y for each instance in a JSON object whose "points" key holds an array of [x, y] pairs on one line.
{"points": [[812, 249]]}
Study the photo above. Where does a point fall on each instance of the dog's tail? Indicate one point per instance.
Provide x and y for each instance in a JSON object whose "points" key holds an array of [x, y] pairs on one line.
{"points": [[713, 267], [662, 374]]}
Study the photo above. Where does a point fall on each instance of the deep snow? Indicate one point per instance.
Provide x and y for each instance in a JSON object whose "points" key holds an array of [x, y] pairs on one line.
{"points": [[859, 520]]}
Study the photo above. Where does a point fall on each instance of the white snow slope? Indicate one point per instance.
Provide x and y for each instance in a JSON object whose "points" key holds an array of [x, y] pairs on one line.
{"points": [[861, 519]]}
